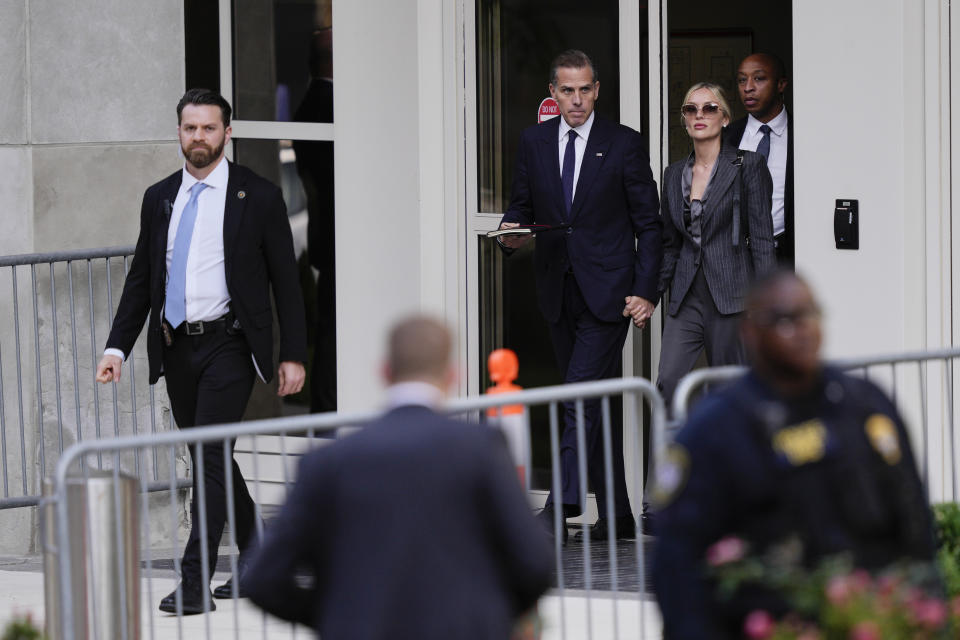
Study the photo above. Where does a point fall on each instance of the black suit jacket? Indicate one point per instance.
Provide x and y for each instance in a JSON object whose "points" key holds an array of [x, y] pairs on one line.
{"points": [[732, 135], [415, 527], [258, 254], [613, 242]]}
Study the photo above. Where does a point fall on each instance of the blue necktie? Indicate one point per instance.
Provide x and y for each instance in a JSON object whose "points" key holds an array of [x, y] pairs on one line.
{"points": [[176, 305], [764, 147], [569, 165]]}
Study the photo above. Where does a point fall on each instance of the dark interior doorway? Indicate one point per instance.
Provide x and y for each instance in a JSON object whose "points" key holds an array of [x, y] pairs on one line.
{"points": [[708, 40]]}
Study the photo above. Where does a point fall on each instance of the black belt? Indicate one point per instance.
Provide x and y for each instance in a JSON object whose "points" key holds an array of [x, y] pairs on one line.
{"points": [[201, 327]]}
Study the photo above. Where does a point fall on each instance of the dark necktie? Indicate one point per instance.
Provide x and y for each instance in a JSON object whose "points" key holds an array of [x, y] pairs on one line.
{"points": [[569, 165], [764, 147]]}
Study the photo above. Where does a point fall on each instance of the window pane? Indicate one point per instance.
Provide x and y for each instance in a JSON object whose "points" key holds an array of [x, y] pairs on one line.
{"points": [[279, 48], [516, 41], [304, 172]]}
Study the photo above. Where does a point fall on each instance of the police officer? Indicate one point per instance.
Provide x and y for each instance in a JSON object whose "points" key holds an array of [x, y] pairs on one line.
{"points": [[793, 450]]}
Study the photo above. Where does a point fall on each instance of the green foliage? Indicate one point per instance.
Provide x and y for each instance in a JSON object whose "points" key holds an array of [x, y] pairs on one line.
{"points": [[22, 629], [946, 518]]}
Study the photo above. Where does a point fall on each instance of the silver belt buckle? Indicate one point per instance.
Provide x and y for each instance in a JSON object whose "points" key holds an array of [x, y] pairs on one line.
{"points": [[194, 328]]}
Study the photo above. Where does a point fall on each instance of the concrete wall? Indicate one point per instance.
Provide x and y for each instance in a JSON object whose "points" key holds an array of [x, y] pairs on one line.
{"points": [[875, 298], [396, 178], [87, 122]]}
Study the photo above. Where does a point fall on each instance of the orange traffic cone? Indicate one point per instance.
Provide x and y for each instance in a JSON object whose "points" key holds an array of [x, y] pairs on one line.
{"points": [[511, 419]]}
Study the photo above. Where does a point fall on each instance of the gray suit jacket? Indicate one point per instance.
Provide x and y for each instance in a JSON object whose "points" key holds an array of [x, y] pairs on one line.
{"points": [[728, 269]]}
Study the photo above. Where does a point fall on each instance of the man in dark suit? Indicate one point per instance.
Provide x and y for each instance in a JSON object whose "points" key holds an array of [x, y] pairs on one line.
{"points": [[590, 178], [214, 238], [414, 527], [768, 130]]}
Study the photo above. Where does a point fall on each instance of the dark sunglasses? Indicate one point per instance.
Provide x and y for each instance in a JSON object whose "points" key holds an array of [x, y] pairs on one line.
{"points": [[710, 109]]}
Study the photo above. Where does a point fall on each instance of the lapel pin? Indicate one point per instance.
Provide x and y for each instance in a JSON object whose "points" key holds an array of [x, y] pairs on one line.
{"points": [[599, 154], [241, 194]]}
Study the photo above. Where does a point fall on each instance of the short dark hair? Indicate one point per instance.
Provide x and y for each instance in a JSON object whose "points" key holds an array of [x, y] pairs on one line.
{"points": [[762, 287], [418, 348], [205, 96], [776, 64], [572, 59]]}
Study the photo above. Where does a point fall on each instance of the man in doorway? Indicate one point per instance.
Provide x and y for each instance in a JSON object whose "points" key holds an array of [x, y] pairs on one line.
{"points": [[214, 239], [589, 179], [768, 130], [414, 527], [794, 455]]}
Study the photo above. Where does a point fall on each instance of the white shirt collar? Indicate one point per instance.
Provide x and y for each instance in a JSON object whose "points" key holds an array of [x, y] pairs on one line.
{"points": [[778, 126], [583, 130], [216, 178], [414, 393]]}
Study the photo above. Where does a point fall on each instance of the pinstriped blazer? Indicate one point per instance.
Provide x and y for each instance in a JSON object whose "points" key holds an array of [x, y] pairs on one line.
{"points": [[728, 269]]}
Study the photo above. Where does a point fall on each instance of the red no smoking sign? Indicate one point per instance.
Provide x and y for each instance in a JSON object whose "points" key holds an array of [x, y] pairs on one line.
{"points": [[548, 109]]}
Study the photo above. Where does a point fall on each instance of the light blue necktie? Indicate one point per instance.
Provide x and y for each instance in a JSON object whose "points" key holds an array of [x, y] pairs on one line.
{"points": [[176, 305]]}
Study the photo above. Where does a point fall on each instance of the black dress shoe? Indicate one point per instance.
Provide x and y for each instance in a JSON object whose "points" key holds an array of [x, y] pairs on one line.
{"points": [[545, 517], [192, 602], [647, 523], [626, 529], [225, 591]]}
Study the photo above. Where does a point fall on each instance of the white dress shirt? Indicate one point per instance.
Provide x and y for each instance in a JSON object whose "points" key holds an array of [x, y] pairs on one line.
{"points": [[206, 286], [583, 132], [776, 162]]}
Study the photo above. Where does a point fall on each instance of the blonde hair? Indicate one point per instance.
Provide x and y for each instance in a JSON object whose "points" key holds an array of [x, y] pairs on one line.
{"points": [[718, 95]]}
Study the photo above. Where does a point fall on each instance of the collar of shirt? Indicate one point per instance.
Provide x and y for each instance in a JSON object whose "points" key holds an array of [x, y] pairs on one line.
{"points": [[583, 130], [414, 393], [216, 178], [778, 126]]}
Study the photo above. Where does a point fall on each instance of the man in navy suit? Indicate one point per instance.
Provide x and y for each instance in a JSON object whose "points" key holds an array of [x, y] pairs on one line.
{"points": [[590, 178], [414, 527]]}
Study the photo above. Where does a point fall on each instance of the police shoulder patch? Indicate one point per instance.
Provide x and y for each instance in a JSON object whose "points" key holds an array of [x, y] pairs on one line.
{"points": [[670, 475], [882, 433]]}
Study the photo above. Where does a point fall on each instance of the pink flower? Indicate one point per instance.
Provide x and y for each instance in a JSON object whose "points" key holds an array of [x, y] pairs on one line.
{"points": [[931, 613], [866, 630], [839, 590], [725, 551], [860, 580], [758, 625]]}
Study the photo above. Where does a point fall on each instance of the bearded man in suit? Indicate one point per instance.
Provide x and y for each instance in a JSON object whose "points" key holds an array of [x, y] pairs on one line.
{"points": [[214, 239]]}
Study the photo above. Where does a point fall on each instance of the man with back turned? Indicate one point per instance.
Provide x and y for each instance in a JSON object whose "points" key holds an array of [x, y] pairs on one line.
{"points": [[214, 240], [414, 527]]}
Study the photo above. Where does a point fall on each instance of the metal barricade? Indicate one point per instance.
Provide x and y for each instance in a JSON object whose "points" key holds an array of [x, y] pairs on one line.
{"points": [[55, 313], [600, 591], [921, 384]]}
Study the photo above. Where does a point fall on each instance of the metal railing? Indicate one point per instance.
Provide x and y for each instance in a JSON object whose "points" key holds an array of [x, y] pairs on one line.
{"points": [[584, 580], [55, 313], [922, 387]]}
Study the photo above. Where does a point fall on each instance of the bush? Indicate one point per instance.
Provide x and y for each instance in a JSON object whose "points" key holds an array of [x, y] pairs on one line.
{"points": [[22, 629], [946, 518]]}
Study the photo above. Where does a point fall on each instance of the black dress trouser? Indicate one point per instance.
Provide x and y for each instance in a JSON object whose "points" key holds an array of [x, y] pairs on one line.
{"points": [[209, 378]]}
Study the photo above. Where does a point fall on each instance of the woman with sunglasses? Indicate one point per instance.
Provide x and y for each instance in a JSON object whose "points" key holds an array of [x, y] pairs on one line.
{"points": [[717, 237]]}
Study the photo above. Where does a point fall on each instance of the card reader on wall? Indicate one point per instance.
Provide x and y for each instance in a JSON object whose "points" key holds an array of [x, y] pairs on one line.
{"points": [[846, 224]]}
